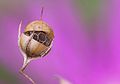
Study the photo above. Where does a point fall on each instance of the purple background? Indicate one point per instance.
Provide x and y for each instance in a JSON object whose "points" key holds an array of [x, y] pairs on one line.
{"points": [[86, 48]]}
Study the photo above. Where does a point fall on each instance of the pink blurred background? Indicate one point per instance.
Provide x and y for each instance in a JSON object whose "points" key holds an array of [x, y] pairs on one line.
{"points": [[86, 48]]}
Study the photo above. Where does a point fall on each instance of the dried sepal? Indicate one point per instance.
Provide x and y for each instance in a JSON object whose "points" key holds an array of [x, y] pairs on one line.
{"points": [[26, 59]]}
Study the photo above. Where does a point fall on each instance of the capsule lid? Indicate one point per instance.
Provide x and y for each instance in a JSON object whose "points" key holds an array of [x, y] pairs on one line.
{"points": [[40, 25]]}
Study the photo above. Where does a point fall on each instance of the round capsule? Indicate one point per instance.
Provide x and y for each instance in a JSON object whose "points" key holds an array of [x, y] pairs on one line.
{"points": [[37, 39]]}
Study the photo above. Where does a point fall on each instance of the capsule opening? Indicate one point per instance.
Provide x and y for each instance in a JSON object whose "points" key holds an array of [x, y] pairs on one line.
{"points": [[40, 36]]}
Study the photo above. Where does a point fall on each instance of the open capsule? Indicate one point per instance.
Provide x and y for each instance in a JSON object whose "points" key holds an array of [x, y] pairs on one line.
{"points": [[34, 42], [39, 44]]}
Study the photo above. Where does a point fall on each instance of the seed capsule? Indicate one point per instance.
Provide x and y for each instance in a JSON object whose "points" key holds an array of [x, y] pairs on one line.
{"points": [[35, 42], [37, 39]]}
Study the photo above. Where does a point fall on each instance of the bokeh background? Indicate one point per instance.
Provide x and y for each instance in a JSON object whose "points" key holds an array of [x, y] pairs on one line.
{"points": [[86, 47]]}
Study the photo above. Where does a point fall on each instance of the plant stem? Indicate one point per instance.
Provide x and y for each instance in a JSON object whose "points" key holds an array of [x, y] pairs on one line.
{"points": [[26, 61]]}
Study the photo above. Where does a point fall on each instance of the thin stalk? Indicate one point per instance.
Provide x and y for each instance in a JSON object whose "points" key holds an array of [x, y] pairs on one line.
{"points": [[26, 62], [41, 13]]}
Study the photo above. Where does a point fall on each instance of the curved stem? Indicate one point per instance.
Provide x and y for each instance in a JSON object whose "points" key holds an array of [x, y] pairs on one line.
{"points": [[26, 76], [26, 61]]}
